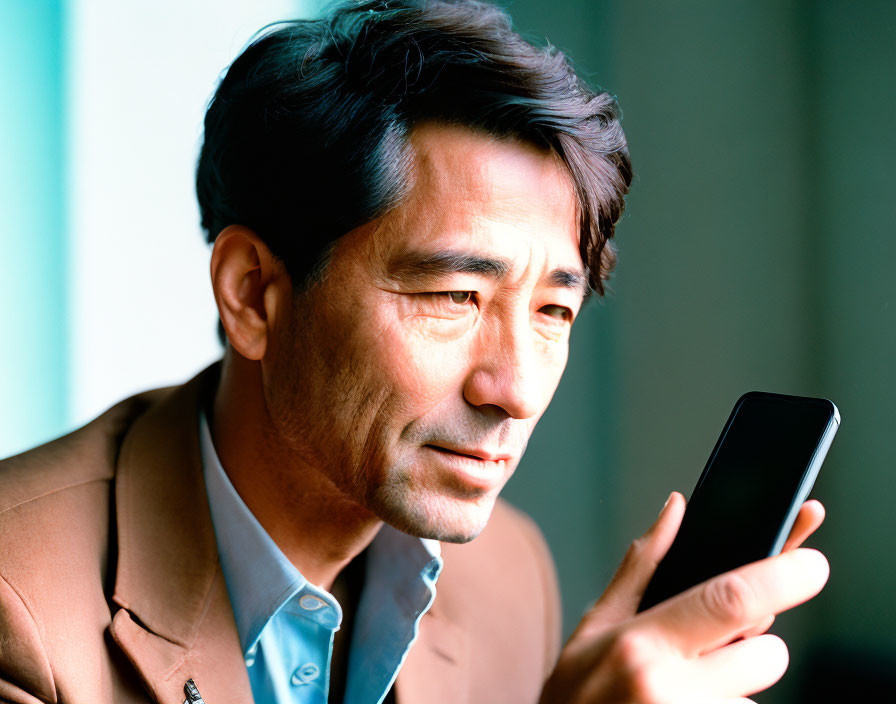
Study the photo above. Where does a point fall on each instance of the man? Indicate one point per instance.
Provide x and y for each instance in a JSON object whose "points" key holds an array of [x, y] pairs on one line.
{"points": [[408, 205]]}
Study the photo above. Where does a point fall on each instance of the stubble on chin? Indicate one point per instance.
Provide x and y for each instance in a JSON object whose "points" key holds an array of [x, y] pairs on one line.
{"points": [[425, 514]]}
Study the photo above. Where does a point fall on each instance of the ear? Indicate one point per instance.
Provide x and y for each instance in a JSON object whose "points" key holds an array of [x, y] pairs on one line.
{"points": [[251, 288]]}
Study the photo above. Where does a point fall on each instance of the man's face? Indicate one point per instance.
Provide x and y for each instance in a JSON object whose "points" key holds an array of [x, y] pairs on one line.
{"points": [[413, 375]]}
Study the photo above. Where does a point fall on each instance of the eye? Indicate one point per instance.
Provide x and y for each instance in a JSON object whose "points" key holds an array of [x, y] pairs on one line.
{"points": [[459, 297], [447, 303], [560, 313]]}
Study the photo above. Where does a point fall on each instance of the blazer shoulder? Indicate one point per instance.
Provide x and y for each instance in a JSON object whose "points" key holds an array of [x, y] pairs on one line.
{"points": [[504, 584], [510, 523], [510, 532], [84, 455], [57, 544]]}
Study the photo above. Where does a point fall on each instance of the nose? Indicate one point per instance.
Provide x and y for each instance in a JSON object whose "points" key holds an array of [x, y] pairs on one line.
{"points": [[504, 370]]}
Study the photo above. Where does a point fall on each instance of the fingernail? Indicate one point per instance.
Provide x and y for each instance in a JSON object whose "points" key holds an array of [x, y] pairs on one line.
{"points": [[666, 504]]}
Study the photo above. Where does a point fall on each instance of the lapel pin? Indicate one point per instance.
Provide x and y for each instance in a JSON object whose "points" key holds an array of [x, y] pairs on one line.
{"points": [[192, 692]]}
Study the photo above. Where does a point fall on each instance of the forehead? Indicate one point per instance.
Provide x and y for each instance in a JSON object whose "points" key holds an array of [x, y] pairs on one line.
{"points": [[471, 189]]}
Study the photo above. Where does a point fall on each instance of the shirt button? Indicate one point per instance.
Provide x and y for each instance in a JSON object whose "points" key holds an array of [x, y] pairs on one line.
{"points": [[311, 603], [306, 674]]}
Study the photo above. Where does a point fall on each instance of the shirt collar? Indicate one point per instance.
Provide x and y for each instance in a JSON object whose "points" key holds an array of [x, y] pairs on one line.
{"points": [[260, 578]]}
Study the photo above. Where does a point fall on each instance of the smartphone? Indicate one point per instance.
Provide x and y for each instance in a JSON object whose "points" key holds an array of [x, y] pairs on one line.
{"points": [[746, 501]]}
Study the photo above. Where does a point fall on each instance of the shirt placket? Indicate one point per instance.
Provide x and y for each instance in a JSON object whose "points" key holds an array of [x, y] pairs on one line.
{"points": [[291, 660]]}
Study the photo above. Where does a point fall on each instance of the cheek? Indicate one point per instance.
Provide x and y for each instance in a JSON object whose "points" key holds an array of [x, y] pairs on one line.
{"points": [[419, 362], [416, 356], [552, 356]]}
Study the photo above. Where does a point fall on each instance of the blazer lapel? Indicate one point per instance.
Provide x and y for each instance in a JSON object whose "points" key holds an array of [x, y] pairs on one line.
{"points": [[176, 621]]}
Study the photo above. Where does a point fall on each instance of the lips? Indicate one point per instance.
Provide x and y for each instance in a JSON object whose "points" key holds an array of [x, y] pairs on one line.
{"points": [[471, 472], [474, 453]]}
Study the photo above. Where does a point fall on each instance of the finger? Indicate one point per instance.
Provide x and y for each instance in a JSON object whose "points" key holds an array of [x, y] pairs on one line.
{"points": [[742, 668], [759, 628], [807, 522], [621, 598], [713, 613], [809, 518]]}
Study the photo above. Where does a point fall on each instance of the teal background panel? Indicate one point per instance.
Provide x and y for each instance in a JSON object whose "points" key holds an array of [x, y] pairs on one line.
{"points": [[33, 382]]}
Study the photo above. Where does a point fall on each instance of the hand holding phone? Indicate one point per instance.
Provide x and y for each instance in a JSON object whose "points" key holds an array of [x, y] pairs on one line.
{"points": [[745, 503], [684, 648]]}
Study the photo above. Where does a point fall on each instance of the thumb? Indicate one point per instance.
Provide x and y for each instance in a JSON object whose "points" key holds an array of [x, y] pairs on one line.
{"points": [[622, 596]]}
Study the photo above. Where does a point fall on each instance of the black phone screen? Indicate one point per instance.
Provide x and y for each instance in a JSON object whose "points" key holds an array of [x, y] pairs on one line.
{"points": [[746, 492]]}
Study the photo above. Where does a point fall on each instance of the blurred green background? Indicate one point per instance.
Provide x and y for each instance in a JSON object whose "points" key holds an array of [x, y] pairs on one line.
{"points": [[755, 253]]}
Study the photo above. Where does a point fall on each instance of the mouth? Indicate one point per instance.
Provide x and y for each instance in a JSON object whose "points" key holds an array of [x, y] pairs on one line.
{"points": [[482, 455], [472, 470]]}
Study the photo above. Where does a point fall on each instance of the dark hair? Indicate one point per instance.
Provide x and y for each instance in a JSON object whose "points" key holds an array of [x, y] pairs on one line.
{"points": [[307, 135]]}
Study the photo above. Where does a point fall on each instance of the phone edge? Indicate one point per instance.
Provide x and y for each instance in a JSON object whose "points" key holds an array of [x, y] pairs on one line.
{"points": [[808, 481]]}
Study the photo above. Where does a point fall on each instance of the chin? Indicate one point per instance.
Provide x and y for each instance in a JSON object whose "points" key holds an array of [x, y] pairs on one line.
{"points": [[443, 518]]}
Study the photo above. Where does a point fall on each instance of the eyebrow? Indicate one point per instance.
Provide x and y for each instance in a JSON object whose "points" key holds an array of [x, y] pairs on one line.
{"points": [[417, 267], [569, 278], [414, 267]]}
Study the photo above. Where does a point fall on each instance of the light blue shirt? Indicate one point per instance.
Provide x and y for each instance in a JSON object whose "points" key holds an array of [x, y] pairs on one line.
{"points": [[286, 625]]}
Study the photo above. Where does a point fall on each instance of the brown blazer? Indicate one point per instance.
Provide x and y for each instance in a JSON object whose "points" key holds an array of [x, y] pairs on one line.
{"points": [[111, 591]]}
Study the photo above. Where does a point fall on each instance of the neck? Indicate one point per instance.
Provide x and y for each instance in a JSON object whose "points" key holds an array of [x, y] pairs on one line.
{"points": [[318, 527]]}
